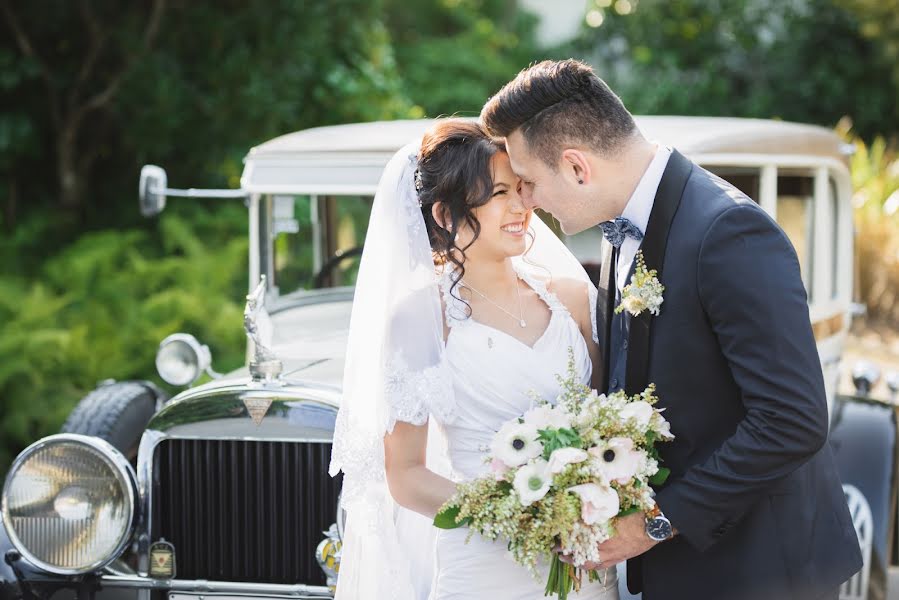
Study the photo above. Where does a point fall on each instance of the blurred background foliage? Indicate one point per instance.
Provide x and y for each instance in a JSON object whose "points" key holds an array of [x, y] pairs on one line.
{"points": [[93, 89]]}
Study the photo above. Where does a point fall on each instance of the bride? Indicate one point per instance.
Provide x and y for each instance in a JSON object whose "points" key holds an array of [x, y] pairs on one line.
{"points": [[465, 304]]}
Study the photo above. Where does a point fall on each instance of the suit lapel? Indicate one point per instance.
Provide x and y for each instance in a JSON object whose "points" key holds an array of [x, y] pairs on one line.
{"points": [[655, 240], [604, 305]]}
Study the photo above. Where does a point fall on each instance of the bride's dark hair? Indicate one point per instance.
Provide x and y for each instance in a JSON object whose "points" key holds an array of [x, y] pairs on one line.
{"points": [[454, 166]]}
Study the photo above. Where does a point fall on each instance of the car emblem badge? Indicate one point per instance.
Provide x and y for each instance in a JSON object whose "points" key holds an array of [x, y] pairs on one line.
{"points": [[257, 407], [162, 560]]}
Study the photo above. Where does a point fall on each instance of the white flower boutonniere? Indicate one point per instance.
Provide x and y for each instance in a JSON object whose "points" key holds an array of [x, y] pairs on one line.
{"points": [[643, 293]]}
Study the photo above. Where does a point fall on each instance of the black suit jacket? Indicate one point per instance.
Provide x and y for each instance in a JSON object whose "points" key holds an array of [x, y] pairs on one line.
{"points": [[754, 493]]}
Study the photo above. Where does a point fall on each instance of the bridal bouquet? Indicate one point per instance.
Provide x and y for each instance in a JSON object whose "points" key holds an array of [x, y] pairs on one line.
{"points": [[561, 474]]}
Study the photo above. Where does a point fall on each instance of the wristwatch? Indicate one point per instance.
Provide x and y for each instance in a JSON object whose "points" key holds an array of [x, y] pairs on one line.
{"points": [[658, 527]]}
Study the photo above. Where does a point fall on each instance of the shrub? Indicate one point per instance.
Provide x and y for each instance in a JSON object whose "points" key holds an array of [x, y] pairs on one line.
{"points": [[100, 307]]}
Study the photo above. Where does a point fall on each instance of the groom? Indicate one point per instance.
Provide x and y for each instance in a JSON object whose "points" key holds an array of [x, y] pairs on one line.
{"points": [[754, 508]]}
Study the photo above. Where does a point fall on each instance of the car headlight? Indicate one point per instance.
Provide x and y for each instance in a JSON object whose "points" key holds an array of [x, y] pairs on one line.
{"points": [[181, 359], [69, 503]]}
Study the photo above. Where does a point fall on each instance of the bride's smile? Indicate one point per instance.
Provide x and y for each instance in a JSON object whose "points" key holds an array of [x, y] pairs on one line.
{"points": [[504, 219]]}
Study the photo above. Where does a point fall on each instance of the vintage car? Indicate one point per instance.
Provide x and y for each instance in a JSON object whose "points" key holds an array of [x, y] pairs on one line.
{"points": [[223, 489]]}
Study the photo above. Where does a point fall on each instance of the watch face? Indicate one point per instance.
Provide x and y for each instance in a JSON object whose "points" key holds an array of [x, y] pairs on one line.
{"points": [[658, 529]]}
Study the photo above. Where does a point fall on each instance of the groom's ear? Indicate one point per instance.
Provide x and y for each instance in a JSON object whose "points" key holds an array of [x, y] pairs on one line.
{"points": [[575, 164]]}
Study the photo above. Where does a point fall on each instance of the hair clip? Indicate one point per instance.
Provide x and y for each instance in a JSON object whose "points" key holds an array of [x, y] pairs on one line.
{"points": [[418, 183]]}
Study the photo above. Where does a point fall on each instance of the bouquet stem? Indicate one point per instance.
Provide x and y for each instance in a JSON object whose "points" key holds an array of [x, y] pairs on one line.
{"points": [[562, 578]]}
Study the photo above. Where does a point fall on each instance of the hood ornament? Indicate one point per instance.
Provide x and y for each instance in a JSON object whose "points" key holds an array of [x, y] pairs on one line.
{"points": [[265, 365]]}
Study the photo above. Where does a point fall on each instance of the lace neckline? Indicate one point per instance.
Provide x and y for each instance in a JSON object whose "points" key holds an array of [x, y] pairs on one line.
{"points": [[457, 311]]}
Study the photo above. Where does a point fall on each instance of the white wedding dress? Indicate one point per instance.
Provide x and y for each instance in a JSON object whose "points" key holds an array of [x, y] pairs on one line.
{"points": [[492, 374]]}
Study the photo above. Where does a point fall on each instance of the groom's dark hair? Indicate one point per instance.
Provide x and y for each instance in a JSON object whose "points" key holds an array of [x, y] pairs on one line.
{"points": [[559, 104]]}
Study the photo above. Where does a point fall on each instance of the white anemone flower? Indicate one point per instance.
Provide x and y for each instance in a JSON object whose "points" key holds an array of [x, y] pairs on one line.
{"points": [[663, 428], [617, 460], [640, 411], [516, 443], [598, 503], [532, 481], [546, 416], [563, 457]]}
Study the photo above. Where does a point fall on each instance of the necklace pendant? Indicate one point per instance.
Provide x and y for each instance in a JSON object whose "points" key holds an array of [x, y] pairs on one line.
{"points": [[522, 323]]}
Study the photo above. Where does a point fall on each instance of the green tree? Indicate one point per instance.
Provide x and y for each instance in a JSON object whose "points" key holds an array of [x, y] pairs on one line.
{"points": [[880, 22], [72, 77], [96, 89], [453, 54], [805, 61]]}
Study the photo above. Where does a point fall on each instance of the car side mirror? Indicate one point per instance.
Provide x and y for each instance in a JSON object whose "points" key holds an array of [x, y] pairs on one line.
{"points": [[153, 182]]}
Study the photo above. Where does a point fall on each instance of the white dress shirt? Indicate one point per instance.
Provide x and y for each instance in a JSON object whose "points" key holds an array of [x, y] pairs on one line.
{"points": [[637, 211]]}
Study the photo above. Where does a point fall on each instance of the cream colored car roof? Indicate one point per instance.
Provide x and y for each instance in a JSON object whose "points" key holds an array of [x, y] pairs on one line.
{"points": [[348, 159]]}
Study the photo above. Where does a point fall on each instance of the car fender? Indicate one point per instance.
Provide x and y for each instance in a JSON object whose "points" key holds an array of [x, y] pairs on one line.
{"points": [[863, 436]]}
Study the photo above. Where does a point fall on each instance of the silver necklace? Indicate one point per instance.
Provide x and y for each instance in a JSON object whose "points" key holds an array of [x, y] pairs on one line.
{"points": [[519, 318]]}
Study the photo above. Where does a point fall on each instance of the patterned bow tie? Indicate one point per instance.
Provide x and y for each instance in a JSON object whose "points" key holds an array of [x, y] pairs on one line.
{"points": [[615, 231]]}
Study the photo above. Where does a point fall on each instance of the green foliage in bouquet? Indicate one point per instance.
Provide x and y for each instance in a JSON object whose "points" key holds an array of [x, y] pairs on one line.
{"points": [[563, 437]]}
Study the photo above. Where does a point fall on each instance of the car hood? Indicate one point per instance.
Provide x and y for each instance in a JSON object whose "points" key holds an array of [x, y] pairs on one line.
{"points": [[310, 338]]}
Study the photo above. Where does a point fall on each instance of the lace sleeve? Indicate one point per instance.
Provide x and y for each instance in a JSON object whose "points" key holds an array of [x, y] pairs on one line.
{"points": [[413, 394], [593, 294]]}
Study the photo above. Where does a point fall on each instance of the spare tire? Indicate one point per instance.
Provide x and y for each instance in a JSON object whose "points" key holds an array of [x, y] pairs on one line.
{"points": [[117, 412]]}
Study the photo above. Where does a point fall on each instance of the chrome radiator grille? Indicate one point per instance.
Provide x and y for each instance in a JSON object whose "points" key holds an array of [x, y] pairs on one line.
{"points": [[250, 511]]}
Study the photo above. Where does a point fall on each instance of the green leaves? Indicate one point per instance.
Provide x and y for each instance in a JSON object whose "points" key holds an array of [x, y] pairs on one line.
{"points": [[553, 439], [447, 518], [660, 477]]}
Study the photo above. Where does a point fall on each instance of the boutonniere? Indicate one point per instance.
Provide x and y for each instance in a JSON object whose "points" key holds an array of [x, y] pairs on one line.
{"points": [[644, 292]]}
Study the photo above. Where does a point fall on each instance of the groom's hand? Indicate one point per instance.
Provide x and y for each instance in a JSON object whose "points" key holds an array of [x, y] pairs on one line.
{"points": [[629, 541]]}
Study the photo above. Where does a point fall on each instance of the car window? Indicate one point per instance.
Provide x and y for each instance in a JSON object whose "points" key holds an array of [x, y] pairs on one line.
{"points": [[317, 240], [796, 215], [744, 179]]}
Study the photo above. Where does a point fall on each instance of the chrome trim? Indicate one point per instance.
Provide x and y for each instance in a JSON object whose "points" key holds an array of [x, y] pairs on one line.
{"points": [[222, 587], [234, 423], [289, 390], [119, 465]]}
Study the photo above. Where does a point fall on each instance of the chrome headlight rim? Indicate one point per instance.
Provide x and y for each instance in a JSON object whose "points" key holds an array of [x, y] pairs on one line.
{"points": [[202, 358], [119, 465]]}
